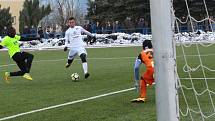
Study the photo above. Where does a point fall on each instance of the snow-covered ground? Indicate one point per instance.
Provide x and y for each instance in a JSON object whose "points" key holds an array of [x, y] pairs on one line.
{"points": [[103, 40], [193, 37], [120, 40]]}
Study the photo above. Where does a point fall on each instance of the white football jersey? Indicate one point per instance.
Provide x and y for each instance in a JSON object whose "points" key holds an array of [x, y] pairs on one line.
{"points": [[73, 37]]}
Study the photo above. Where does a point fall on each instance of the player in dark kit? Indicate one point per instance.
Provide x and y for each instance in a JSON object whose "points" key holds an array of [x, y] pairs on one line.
{"points": [[22, 59]]}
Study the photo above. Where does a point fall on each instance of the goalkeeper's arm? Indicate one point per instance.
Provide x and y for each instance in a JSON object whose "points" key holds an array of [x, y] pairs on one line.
{"points": [[136, 72]]}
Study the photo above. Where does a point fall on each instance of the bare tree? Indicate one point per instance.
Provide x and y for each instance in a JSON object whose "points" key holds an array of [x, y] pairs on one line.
{"points": [[61, 11], [66, 9]]}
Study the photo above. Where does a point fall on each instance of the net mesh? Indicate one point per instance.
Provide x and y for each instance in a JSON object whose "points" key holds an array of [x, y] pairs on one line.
{"points": [[195, 64]]}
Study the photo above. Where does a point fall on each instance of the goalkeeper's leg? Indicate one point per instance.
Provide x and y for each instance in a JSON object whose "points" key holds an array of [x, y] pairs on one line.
{"points": [[146, 78], [142, 97], [143, 88]]}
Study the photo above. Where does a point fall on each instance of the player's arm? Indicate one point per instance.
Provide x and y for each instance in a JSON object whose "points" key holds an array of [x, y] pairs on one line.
{"points": [[136, 72], [66, 41], [1, 46], [88, 33]]}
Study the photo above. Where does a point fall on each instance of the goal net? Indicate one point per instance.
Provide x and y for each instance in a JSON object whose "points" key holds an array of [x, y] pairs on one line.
{"points": [[195, 55], [184, 46]]}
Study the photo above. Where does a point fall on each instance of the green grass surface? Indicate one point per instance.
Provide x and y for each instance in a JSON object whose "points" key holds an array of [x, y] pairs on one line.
{"points": [[111, 70]]}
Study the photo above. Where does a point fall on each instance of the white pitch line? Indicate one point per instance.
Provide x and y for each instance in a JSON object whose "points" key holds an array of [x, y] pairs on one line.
{"points": [[212, 54], [65, 104], [197, 78], [66, 59], [92, 59]]}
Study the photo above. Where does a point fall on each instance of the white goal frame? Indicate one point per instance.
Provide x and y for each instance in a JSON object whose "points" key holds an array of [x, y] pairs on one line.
{"points": [[167, 104]]}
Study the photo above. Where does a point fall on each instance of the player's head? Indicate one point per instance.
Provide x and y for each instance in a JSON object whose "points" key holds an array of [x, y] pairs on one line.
{"points": [[11, 32], [71, 22], [147, 44]]}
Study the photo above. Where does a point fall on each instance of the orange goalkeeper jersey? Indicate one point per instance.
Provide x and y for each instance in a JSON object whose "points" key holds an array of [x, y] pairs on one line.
{"points": [[146, 56]]}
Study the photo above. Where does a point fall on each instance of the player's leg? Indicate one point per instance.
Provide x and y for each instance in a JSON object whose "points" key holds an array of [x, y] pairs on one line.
{"points": [[69, 62], [22, 66], [23, 61], [83, 55], [20, 63], [71, 56], [29, 59]]}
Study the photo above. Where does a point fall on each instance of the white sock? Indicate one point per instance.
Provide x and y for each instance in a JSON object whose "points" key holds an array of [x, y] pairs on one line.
{"points": [[85, 67]]}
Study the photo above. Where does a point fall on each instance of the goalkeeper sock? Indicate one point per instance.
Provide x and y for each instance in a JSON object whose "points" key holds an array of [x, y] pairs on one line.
{"points": [[143, 88]]}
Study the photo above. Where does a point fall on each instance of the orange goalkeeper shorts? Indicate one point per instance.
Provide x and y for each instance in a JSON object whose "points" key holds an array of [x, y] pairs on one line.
{"points": [[148, 76]]}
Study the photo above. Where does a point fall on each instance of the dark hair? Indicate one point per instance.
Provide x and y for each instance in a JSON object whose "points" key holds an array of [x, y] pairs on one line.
{"points": [[71, 18], [147, 44], [11, 31], [10, 28]]}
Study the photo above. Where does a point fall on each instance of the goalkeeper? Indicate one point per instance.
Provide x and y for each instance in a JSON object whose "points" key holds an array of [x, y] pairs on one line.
{"points": [[145, 57], [22, 59]]}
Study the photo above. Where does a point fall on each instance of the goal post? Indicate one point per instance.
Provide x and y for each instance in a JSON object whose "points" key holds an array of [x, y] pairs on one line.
{"points": [[165, 61]]}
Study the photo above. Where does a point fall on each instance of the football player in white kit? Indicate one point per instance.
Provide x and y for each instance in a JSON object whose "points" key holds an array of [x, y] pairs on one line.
{"points": [[74, 41]]}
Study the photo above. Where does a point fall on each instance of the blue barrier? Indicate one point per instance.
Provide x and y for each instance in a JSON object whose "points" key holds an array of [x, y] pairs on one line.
{"points": [[145, 30], [196, 28]]}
